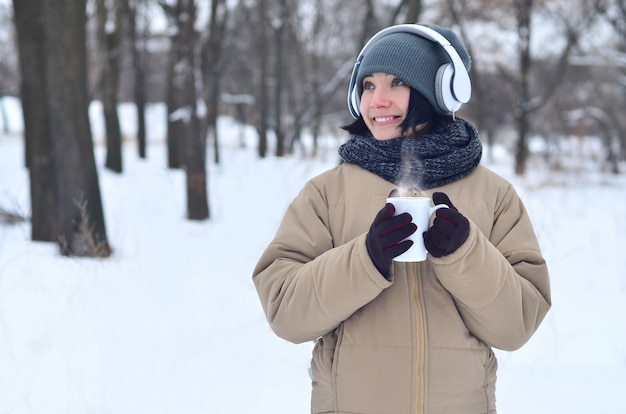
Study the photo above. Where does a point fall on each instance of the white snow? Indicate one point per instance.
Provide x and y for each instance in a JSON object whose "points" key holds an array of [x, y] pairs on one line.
{"points": [[171, 322]]}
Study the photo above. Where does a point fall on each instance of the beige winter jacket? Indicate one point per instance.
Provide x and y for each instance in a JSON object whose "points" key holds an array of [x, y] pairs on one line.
{"points": [[420, 343]]}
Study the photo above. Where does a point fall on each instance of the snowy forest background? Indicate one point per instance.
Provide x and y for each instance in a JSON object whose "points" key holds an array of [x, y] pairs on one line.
{"points": [[186, 128]]}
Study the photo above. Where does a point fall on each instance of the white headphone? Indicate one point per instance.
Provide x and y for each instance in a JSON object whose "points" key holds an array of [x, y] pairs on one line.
{"points": [[453, 87]]}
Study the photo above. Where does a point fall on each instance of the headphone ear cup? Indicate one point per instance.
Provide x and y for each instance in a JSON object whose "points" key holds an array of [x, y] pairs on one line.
{"points": [[443, 89], [355, 102]]}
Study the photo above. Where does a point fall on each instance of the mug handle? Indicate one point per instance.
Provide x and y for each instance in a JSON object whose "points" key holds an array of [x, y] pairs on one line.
{"points": [[437, 207]]}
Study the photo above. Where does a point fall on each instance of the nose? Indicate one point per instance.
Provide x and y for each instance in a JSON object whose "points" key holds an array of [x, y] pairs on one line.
{"points": [[380, 98]]}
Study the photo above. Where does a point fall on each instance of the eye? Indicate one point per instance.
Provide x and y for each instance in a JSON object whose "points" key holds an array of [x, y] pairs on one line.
{"points": [[367, 85], [397, 82]]}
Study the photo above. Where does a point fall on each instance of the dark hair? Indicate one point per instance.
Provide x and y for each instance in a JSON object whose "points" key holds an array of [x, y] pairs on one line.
{"points": [[418, 112]]}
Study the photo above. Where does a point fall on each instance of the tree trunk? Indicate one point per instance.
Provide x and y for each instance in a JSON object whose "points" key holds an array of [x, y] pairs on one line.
{"points": [[110, 52], [317, 93], [175, 125], [37, 136], [213, 104], [80, 216], [213, 64], [524, 12], [5, 116], [138, 51], [263, 92], [414, 10], [184, 83], [278, 80], [521, 148]]}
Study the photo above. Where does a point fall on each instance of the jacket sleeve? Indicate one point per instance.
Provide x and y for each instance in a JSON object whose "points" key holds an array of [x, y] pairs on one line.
{"points": [[306, 284], [499, 281]]}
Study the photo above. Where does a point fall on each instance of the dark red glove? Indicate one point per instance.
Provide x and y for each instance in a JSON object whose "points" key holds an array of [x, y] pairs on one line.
{"points": [[449, 230], [385, 239]]}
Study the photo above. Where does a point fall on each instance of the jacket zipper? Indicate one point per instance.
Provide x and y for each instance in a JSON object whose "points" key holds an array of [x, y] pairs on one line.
{"points": [[419, 341]]}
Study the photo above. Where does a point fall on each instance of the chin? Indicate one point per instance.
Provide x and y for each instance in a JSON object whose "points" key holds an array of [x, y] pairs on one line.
{"points": [[387, 136]]}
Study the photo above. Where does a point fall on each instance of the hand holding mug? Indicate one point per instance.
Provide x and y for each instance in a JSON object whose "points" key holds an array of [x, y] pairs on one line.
{"points": [[420, 211], [449, 231], [387, 237]]}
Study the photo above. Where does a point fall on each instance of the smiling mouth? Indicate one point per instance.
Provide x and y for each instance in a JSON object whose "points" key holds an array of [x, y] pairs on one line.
{"points": [[382, 119]]}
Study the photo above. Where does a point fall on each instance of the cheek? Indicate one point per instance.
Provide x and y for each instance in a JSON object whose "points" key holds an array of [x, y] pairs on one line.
{"points": [[364, 103], [403, 101]]}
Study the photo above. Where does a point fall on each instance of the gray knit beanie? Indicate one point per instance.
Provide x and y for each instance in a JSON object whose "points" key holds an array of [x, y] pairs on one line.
{"points": [[413, 59]]}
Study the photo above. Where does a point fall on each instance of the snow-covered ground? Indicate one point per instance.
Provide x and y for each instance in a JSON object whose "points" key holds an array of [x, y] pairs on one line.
{"points": [[171, 322]]}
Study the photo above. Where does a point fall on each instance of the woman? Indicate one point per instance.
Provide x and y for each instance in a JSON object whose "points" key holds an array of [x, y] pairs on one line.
{"points": [[395, 337]]}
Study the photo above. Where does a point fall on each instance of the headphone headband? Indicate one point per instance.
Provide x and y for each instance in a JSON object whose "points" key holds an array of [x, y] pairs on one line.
{"points": [[453, 95]]}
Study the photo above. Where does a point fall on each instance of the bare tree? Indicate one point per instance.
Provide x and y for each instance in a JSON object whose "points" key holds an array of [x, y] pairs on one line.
{"points": [[65, 135], [213, 63], [109, 30], [136, 9], [37, 135], [184, 113], [615, 12], [263, 94], [413, 11], [8, 65], [175, 126], [279, 33], [481, 95], [528, 98], [316, 70], [318, 22]]}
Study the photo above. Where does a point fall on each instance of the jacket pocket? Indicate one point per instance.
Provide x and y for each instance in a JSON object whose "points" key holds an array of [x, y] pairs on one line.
{"points": [[324, 372], [491, 367]]}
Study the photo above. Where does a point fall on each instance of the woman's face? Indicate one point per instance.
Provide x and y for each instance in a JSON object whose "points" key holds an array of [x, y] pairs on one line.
{"points": [[384, 105]]}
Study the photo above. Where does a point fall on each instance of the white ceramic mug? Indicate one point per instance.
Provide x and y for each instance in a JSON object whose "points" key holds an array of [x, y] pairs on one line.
{"points": [[420, 210]]}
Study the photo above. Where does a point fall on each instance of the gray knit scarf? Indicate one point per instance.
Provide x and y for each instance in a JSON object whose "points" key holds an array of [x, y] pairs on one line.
{"points": [[446, 154]]}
